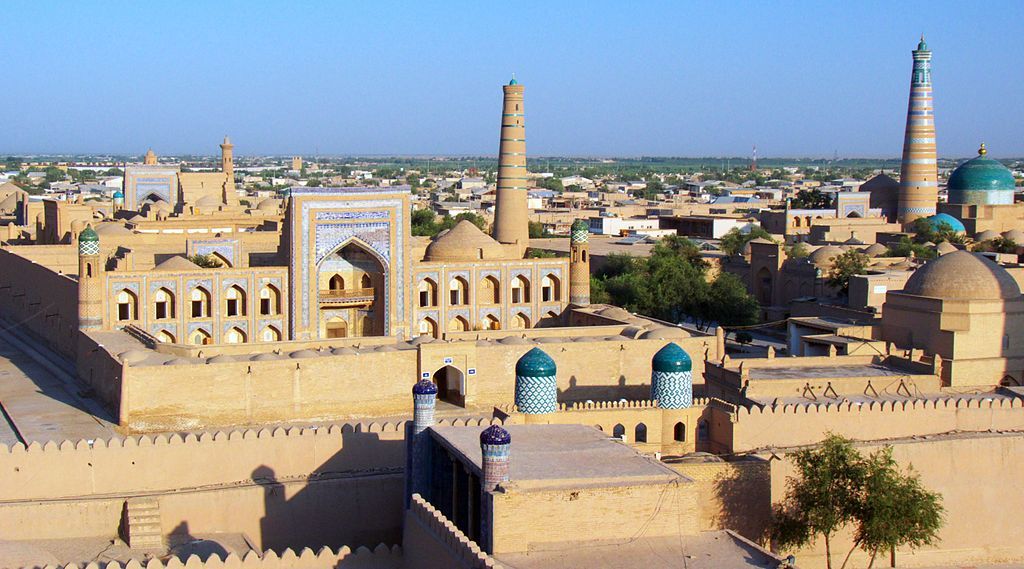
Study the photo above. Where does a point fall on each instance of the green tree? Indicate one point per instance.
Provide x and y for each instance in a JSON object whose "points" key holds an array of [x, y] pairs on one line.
{"points": [[732, 243], [797, 251], [653, 190], [905, 247], [553, 183], [844, 266], [997, 245], [537, 230], [812, 199], [925, 231], [423, 223], [729, 303]]}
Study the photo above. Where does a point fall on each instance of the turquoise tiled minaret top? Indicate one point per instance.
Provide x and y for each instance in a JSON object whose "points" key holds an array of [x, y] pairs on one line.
{"points": [[536, 383], [88, 241]]}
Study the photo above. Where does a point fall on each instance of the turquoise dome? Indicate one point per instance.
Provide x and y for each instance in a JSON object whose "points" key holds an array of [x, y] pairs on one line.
{"points": [[671, 358], [535, 363], [88, 235], [513, 81], [118, 195], [981, 181], [936, 221]]}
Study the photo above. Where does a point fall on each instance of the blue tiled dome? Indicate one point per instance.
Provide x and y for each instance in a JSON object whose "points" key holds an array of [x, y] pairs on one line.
{"points": [[936, 221], [981, 180], [424, 387], [535, 363], [118, 195], [495, 435], [671, 358]]}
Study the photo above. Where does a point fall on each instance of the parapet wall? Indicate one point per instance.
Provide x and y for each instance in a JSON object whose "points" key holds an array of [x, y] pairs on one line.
{"points": [[381, 557], [432, 541], [804, 424], [39, 300]]}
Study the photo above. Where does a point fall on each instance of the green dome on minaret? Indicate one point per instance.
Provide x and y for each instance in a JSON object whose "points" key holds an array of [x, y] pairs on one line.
{"points": [[921, 45], [671, 358], [88, 235], [513, 81], [535, 363], [981, 181]]}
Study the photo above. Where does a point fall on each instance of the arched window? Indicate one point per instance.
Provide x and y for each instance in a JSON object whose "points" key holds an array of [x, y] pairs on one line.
{"points": [[520, 322], [428, 327], [234, 336], [200, 337], [520, 290], [270, 301], [428, 293], [796, 221], [640, 433], [163, 304], [490, 291], [337, 328], [679, 433], [271, 334], [234, 299], [200, 303], [703, 431], [165, 337], [366, 326], [619, 432], [457, 292], [336, 283], [366, 282], [549, 289], [492, 322], [584, 256], [127, 306], [458, 324]]}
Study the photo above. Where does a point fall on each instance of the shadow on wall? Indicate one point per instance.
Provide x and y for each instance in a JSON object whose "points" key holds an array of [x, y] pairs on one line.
{"points": [[744, 497], [346, 500], [183, 544], [576, 392]]}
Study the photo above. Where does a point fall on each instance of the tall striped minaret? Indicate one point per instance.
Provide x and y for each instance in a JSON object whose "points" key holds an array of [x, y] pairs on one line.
{"points": [[511, 223], [919, 174]]}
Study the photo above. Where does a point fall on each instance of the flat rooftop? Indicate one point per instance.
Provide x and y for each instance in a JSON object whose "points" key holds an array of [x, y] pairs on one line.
{"points": [[706, 550], [825, 372], [553, 455]]}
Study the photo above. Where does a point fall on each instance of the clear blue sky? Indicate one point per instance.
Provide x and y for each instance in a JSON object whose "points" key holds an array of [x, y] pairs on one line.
{"points": [[602, 78]]}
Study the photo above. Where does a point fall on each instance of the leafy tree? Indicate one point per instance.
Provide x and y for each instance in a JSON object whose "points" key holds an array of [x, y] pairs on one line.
{"points": [[423, 222], [925, 232], [537, 230], [997, 245], [797, 251], [616, 264], [844, 266], [812, 199], [836, 487], [905, 247], [205, 261], [553, 183], [653, 190], [532, 253], [732, 243], [729, 302]]}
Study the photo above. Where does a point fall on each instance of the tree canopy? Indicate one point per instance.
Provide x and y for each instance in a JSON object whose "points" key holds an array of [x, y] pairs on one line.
{"points": [[425, 222], [732, 243], [812, 199], [836, 487], [844, 266], [672, 285]]}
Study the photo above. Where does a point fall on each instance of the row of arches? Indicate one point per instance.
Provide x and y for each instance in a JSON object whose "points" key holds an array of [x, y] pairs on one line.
{"points": [[235, 335], [488, 291], [337, 282], [429, 326], [199, 304], [678, 432]]}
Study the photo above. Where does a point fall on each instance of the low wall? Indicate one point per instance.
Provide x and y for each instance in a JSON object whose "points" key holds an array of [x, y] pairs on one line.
{"points": [[40, 301], [381, 557], [974, 474], [732, 495], [333, 486], [431, 541], [805, 424]]}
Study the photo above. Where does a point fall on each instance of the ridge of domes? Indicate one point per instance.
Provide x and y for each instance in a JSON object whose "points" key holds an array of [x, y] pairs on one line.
{"points": [[535, 363], [495, 435], [424, 387], [671, 358], [961, 275]]}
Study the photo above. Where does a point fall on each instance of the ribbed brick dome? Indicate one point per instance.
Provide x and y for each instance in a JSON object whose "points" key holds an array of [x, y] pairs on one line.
{"points": [[963, 276]]}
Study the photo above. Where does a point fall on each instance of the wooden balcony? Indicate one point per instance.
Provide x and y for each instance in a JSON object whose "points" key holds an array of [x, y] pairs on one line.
{"points": [[346, 297]]}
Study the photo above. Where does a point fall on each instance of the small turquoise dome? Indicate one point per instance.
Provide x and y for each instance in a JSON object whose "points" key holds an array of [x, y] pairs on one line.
{"points": [[579, 225], [118, 195], [671, 358], [513, 81], [424, 387], [936, 221], [921, 46], [88, 235], [535, 363], [981, 181], [495, 435]]}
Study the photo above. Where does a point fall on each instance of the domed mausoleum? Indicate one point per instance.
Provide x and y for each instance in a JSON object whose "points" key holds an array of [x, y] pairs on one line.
{"points": [[981, 181]]}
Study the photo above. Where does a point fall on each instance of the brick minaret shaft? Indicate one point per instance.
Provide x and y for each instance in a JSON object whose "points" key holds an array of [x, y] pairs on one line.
{"points": [[511, 224], [919, 176]]}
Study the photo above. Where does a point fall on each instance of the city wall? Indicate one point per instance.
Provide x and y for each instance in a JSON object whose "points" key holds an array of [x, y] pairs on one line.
{"points": [[805, 424], [321, 386], [431, 541], [337, 485], [982, 522], [381, 557], [37, 299]]}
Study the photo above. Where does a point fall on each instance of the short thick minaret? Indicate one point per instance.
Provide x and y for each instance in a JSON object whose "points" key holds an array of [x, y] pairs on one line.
{"points": [[90, 281], [919, 175], [417, 465], [579, 263], [536, 385], [494, 449], [511, 223]]}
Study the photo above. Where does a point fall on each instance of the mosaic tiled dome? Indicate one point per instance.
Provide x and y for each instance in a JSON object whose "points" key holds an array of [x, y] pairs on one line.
{"points": [[424, 387], [495, 435], [88, 241], [671, 358], [579, 231], [981, 181], [535, 363]]}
